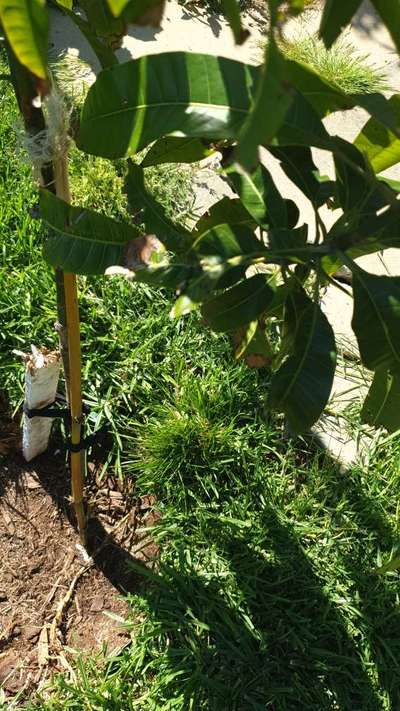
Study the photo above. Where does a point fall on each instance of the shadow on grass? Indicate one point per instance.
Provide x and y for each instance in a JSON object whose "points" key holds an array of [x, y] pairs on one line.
{"points": [[282, 640], [263, 631]]}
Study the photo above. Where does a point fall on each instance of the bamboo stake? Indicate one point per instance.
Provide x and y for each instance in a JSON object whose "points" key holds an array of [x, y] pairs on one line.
{"points": [[75, 399], [74, 354]]}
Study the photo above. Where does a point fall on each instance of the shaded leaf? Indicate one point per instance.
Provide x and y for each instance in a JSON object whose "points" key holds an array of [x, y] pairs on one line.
{"points": [[83, 241], [286, 239], [382, 404], [357, 189], [227, 240], [253, 345], [135, 103], [156, 221], [238, 306], [302, 385], [102, 22], [104, 54], [139, 12], [232, 13], [335, 17], [389, 10], [226, 210], [376, 319], [297, 162], [261, 198], [25, 23], [173, 149], [302, 127]]}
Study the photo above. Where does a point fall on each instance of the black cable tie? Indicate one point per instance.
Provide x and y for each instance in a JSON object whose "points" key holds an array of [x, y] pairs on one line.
{"points": [[85, 443], [88, 441], [48, 411], [52, 411]]}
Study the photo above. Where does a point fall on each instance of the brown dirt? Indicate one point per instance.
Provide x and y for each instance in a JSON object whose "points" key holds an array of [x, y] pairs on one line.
{"points": [[41, 566]]}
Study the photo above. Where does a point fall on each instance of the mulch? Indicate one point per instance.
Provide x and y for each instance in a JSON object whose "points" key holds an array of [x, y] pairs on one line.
{"points": [[55, 600]]}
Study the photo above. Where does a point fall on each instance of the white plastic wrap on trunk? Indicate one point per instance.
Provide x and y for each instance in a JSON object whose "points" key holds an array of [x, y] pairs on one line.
{"points": [[41, 381]]}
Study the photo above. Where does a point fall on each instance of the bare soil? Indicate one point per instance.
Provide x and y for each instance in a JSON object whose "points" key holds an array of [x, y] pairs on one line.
{"points": [[54, 601]]}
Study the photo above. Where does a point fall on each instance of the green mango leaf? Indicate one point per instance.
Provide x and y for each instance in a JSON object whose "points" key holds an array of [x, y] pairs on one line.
{"points": [[376, 319], [173, 149], [228, 230], [238, 306], [171, 275], [133, 104], [226, 210], [145, 12], [83, 241], [381, 406], [378, 143], [389, 10], [261, 198], [232, 13], [64, 4], [273, 98], [227, 240], [117, 6], [109, 28], [173, 237], [252, 344], [303, 127], [297, 162], [104, 54], [25, 24], [357, 190], [302, 385], [284, 239], [335, 17]]}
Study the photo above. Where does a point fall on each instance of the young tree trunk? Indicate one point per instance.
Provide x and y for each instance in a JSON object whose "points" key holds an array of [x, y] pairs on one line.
{"points": [[54, 177]]}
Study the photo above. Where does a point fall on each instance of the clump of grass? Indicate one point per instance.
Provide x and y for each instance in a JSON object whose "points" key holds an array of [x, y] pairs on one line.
{"points": [[341, 64]]}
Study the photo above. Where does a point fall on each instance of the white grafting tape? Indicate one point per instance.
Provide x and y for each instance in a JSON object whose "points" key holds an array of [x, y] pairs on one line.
{"points": [[41, 381]]}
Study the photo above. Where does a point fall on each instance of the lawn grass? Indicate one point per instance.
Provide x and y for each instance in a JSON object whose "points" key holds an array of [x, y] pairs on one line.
{"points": [[264, 595]]}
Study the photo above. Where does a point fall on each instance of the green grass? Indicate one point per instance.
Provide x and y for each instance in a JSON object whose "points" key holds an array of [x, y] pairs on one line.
{"points": [[341, 64], [264, 595]]}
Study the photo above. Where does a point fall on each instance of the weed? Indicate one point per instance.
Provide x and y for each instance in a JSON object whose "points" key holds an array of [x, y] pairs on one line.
{"points": [[341, 64]]}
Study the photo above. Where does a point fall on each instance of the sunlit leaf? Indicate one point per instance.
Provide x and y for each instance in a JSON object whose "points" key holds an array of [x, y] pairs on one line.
{"points": [[25, 23], [378, 143], [186, 94]]}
